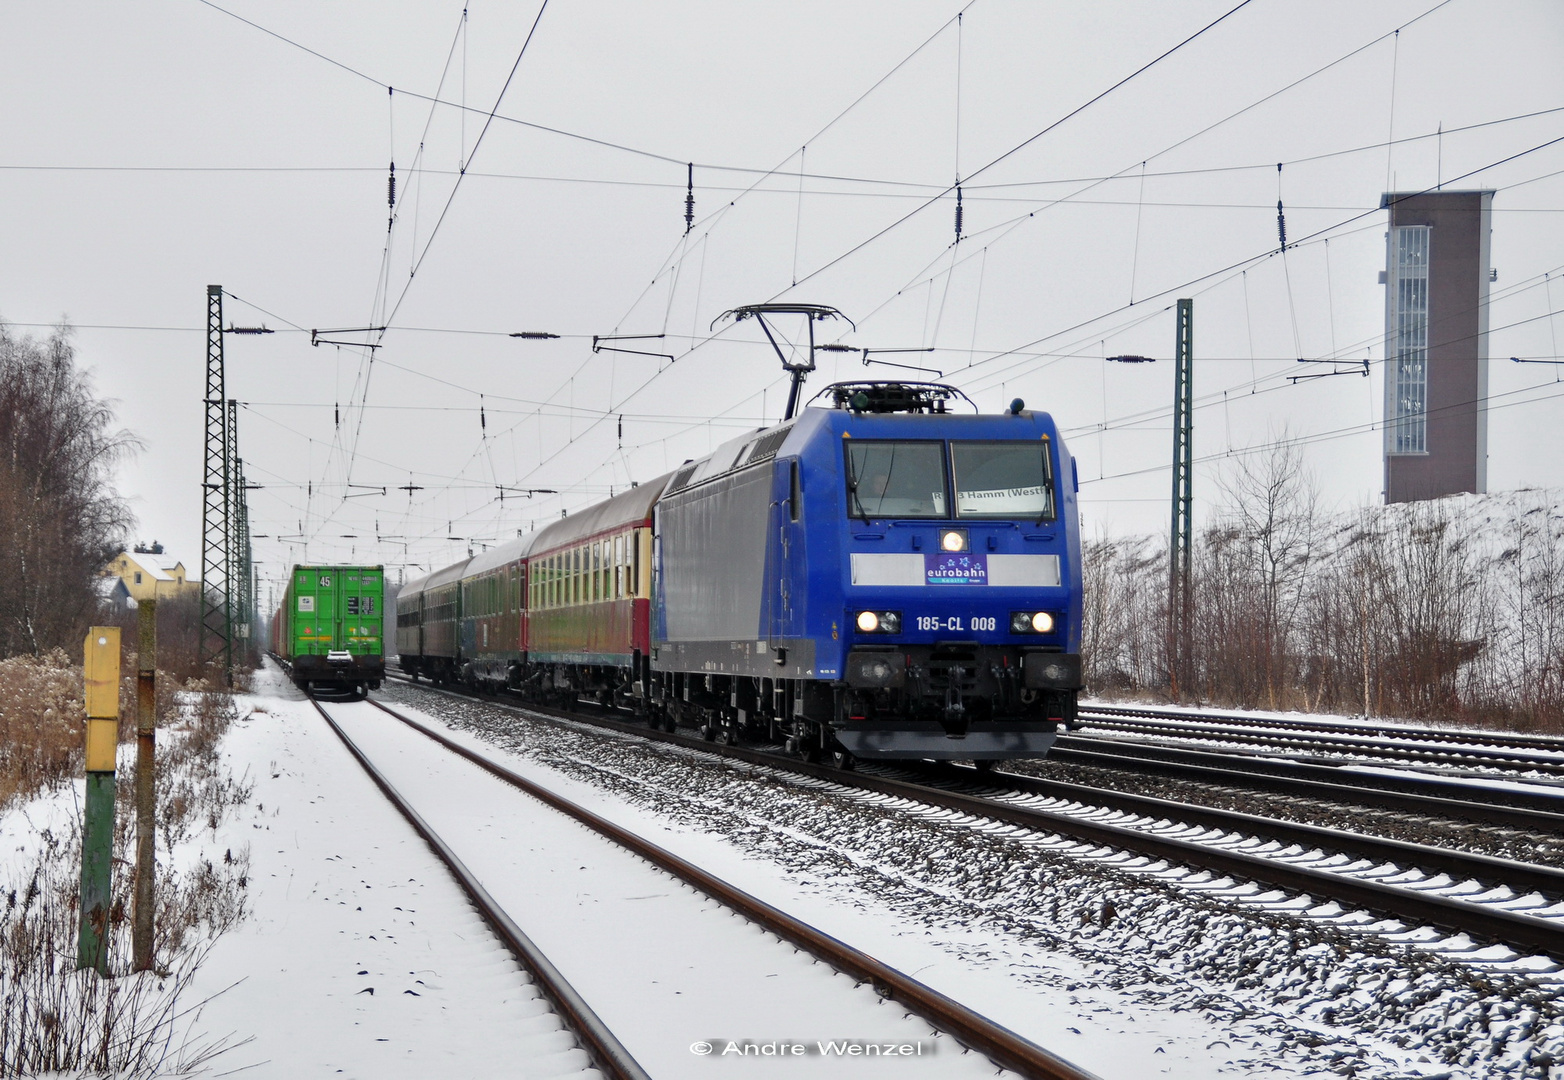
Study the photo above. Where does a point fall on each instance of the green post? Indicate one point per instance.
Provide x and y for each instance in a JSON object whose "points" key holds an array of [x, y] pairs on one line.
{"points": [[101, 690]]}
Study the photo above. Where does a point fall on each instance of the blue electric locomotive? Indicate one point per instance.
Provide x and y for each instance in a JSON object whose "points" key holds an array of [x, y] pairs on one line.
{"points": [[883, 578]]}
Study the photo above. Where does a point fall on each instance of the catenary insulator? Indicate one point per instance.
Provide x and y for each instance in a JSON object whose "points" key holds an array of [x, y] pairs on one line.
{"points": [[689, 201]]}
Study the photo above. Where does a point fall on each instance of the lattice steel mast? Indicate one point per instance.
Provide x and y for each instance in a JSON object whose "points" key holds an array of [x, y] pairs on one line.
{"points": [[1181, 538], [241, 599], [216, 502]]}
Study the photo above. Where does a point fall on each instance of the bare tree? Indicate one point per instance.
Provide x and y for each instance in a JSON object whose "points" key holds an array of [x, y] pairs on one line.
{"points": [[60, 518], [1122, 644], [1252, 578]]}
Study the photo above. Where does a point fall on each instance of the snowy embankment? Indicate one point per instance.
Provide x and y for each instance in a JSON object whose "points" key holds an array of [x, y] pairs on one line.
{"points": [[1124, 974], [359, 954]]}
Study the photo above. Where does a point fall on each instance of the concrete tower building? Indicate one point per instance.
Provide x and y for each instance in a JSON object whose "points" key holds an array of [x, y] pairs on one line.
{"points": [[1436, 343]]}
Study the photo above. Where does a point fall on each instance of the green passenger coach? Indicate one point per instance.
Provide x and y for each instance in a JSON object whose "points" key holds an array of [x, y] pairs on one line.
{"points": [[329, 628]]}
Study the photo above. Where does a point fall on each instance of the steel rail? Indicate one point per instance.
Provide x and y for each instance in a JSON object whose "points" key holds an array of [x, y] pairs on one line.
{"points": [[999, 1043], [1481, 921], [601, 1045], [1487, 869], [1509, 739], [1417, 794], [1342, 743]]}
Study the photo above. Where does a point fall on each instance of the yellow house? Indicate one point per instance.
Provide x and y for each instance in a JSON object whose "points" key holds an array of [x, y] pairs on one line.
{"points": [[145, 579]]}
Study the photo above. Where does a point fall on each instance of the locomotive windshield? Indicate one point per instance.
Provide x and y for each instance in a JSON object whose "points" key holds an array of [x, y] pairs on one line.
{"points": [[1002, 479], [895, 479]]}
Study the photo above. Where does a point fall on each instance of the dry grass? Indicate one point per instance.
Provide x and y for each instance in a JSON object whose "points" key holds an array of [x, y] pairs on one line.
{"points": [[40, 723], [55, 1018]]}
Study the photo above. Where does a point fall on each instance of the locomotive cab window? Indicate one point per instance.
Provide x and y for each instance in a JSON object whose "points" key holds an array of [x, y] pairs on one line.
{"points": [[1002, 480], [895, 479]]}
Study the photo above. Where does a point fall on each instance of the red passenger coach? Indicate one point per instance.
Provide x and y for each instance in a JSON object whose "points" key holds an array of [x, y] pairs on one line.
{"points": [[589, 595]]}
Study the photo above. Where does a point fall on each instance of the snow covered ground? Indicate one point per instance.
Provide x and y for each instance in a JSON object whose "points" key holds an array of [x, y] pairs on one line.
{"points": [[362, 958]]}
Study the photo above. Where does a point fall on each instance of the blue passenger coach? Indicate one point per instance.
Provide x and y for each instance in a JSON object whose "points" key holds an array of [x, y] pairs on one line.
{"points": [[882, 578]]}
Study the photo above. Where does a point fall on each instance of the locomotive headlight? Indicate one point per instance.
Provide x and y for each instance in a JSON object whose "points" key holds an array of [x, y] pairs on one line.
{"points": [[879, 622], [953, 540], [1031, 622]]}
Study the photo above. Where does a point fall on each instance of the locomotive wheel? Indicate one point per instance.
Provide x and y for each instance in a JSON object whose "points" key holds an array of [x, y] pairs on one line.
{"points": [[844, 760], [984, 766]]}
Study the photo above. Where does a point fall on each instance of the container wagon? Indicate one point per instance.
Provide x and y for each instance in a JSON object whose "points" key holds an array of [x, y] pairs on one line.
{"points": [[329, 628]]}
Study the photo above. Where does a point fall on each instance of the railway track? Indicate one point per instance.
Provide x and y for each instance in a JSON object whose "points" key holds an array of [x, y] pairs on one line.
{"points": [[1464, 753], [1487, 899], [594, 1036], [997, 1043], [1446, 797], [1504, 739]]}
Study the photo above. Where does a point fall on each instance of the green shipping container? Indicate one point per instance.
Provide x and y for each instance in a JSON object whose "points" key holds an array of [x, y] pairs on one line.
{"points": [[330, 627]]}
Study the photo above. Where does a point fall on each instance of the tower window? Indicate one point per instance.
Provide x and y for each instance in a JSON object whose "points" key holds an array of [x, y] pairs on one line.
{"points": [[1406, 341]]}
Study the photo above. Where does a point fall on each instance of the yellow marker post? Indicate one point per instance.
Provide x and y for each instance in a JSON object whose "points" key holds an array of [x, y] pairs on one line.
{"points": [[100, 665]]}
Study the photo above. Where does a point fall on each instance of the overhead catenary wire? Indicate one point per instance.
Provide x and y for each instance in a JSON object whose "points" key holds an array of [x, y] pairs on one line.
{"points": [[1023, 144], [947, 286], [1001, 157], [390, 316]]}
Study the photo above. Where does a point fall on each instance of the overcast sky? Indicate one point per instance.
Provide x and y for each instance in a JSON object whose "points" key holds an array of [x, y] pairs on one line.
{"points": [[148, 150]]}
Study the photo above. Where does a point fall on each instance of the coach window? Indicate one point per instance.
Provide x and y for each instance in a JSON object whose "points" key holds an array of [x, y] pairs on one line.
{"points": [[643, 554]]}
